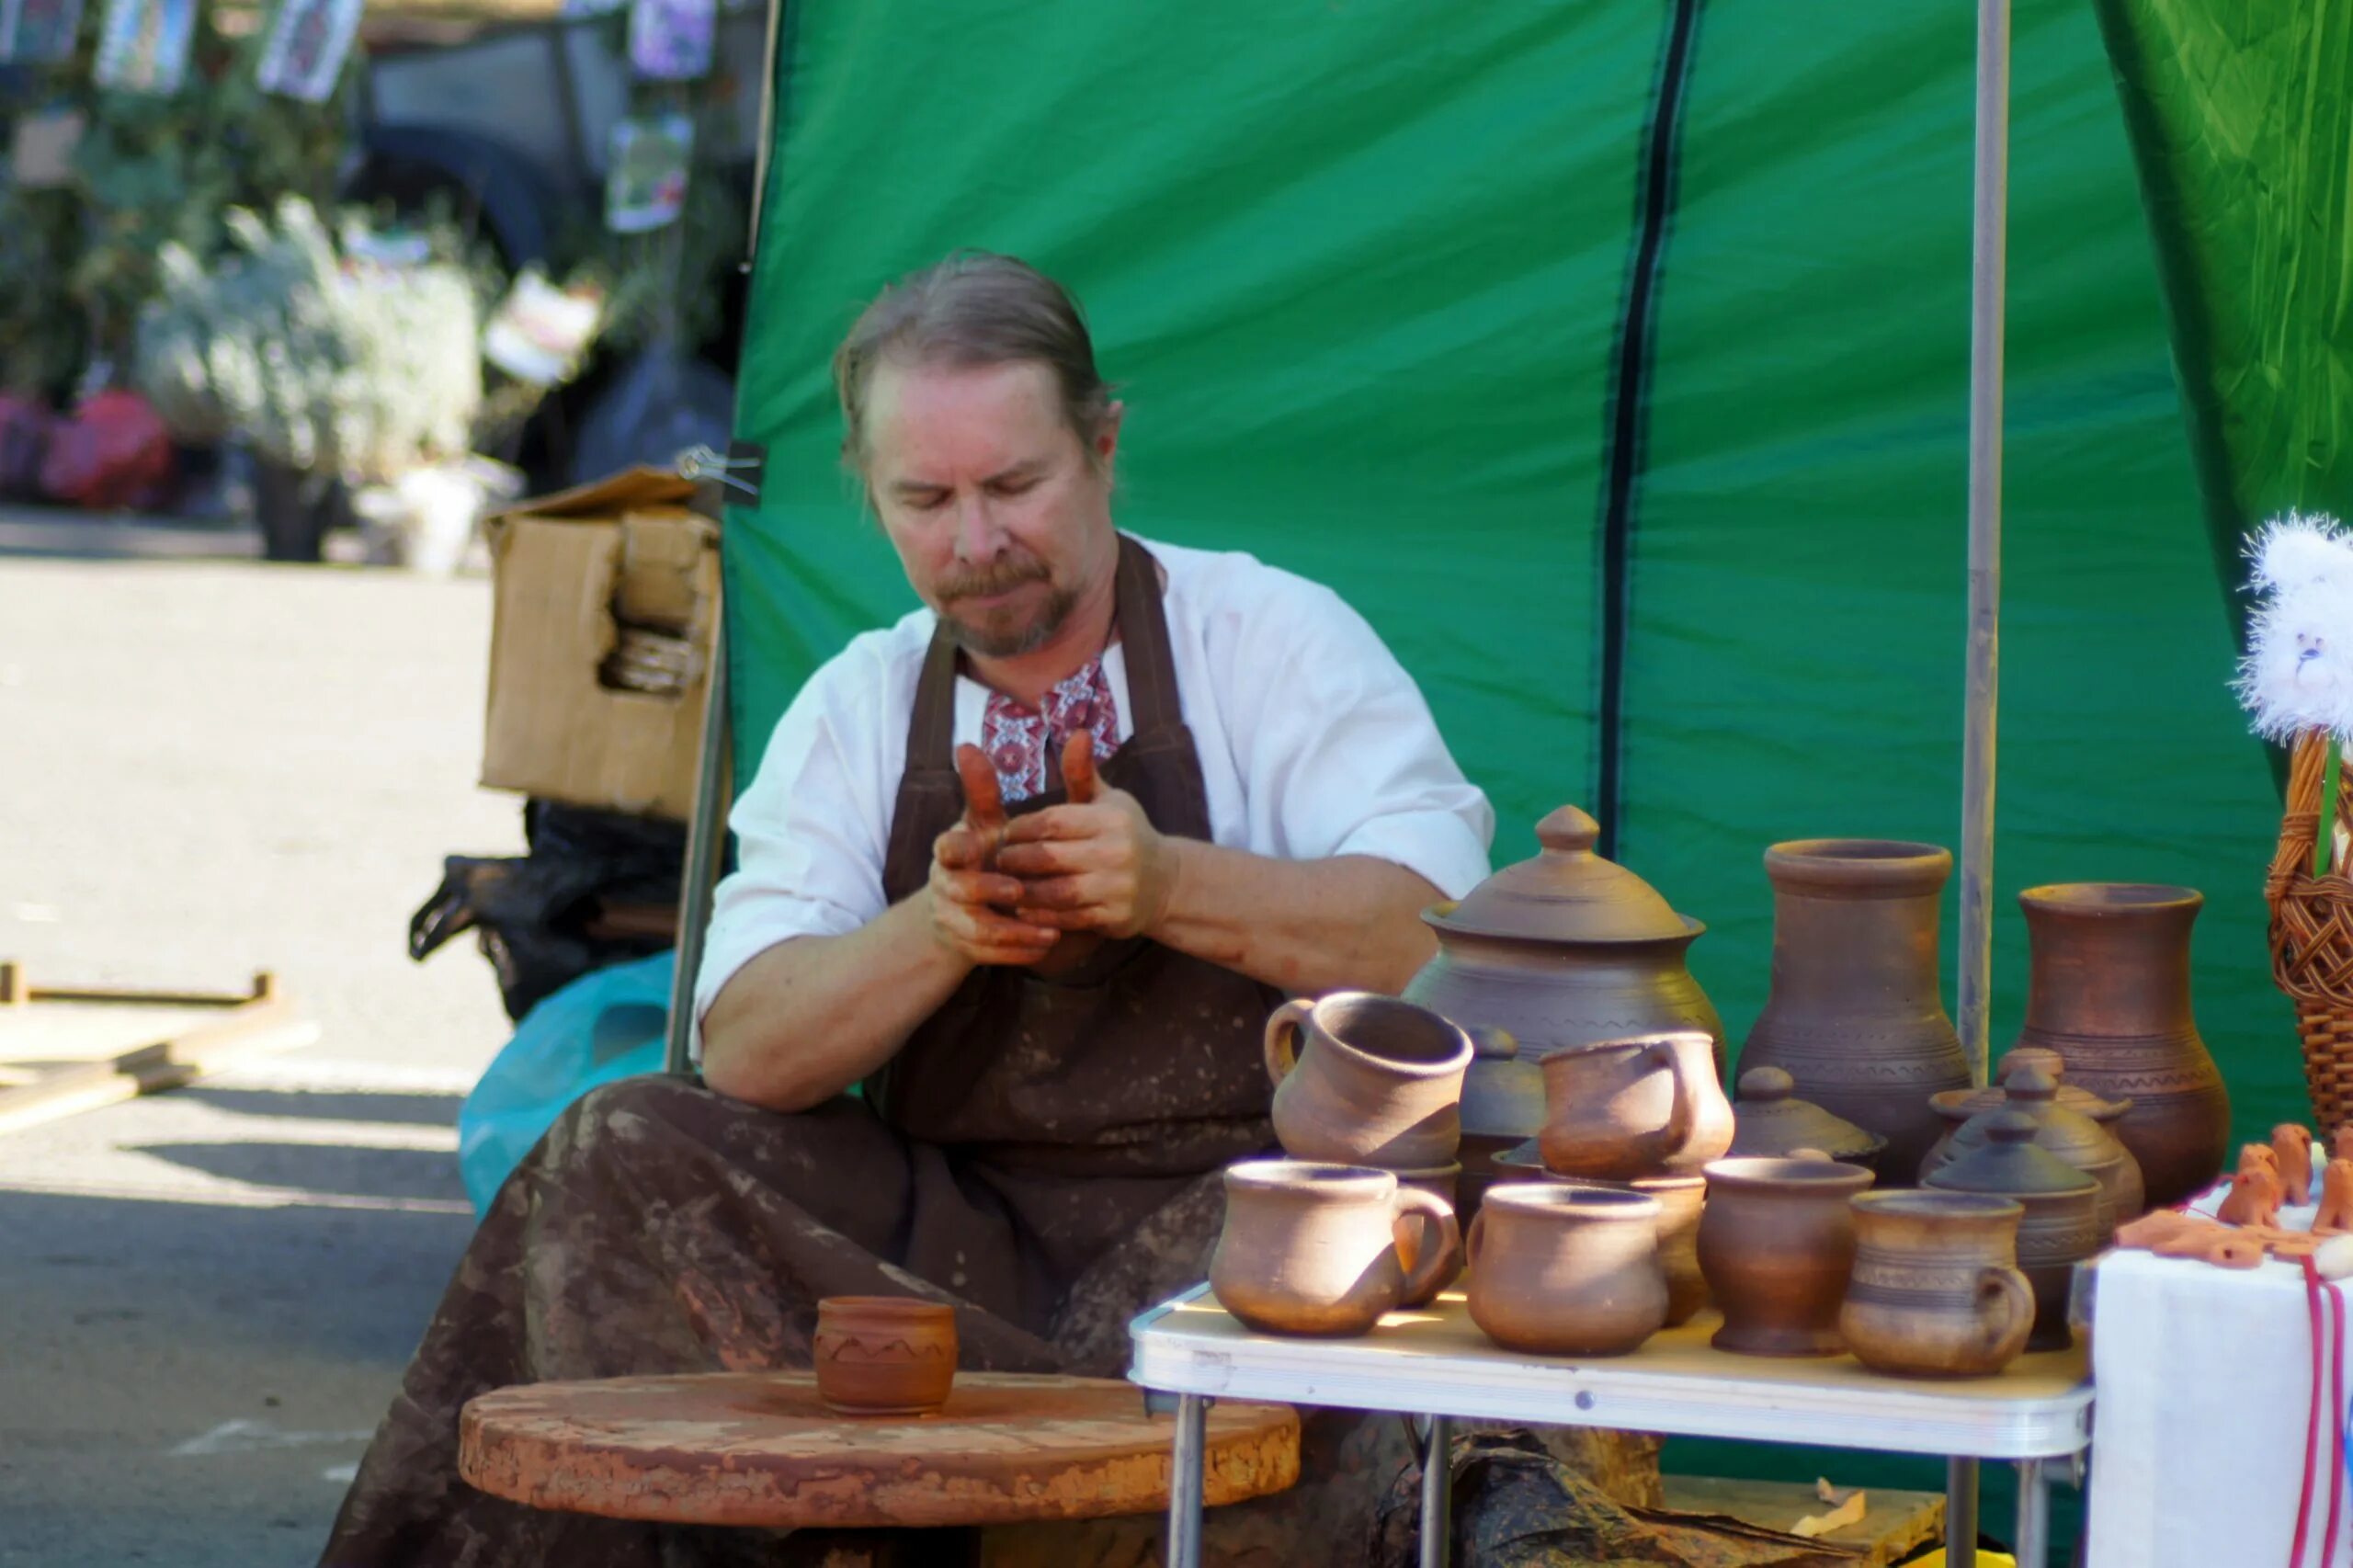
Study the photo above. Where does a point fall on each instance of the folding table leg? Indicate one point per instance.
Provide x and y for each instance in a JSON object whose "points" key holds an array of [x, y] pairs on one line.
{"points": [[1438, 1494], [1185, 1482], [1960, 1513], [2034, 1516]]}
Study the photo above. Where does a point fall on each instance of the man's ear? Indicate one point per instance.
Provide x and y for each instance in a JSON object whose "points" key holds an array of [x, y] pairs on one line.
{"points": [[1107, 435]]}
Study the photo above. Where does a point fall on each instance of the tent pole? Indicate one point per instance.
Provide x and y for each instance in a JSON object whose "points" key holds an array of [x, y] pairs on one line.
{"points": [[706, 845], [1986, 273]]}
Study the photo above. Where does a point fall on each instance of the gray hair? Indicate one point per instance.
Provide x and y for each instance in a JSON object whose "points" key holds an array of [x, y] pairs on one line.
{"points": [[975, 308]]}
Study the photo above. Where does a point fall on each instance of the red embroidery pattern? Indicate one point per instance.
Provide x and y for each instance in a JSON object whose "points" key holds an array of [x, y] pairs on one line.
{"points": [[1016, 737]]}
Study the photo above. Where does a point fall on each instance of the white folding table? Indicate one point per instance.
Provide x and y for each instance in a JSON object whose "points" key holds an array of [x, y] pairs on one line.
{"points": [[1435, 1363]]}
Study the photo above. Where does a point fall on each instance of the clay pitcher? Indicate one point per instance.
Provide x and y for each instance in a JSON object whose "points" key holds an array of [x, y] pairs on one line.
{"points": [[2061, 1223], [1321, 1249], [1649, 1106], [1566, 1270], [2109, 991], [1776, 1243], [1936, 1292], [1856, 1015], [1361, 1079]]}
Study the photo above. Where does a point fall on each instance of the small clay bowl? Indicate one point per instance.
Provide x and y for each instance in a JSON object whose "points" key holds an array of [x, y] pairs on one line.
{"points": [[884, 1354]]}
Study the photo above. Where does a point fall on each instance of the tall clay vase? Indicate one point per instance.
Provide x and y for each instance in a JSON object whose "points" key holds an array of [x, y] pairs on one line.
{"points": [[2109, 991], [1856, 1015]]}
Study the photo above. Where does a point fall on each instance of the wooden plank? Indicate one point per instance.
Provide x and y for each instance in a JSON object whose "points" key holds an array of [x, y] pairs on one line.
{"points": [[1897, 1524], [267, 1021]]}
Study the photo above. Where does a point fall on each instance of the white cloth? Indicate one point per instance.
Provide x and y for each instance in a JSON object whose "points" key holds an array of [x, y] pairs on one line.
{"points": [[2205, 1382], [1313, 743]]}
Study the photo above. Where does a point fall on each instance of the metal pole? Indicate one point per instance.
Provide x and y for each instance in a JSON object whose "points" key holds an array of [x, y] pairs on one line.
{"points": [[1438, 1494], [2033, 1546], [706, 838], [1960, 1513], [1976, 935], [1185, 1482]]}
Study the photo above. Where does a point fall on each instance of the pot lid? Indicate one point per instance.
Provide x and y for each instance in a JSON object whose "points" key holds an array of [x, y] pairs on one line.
{"points": [[2008, 1163], [2059, 1127], [1959, 1105], [1567, 894], [1769, 1119]]}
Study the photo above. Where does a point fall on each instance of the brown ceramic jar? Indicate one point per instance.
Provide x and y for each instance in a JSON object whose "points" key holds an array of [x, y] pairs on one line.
{"points": [[1777, 1243], [2109, 991], [1856, 1015], [1362, 1079], [1566, 1270], [1936, 1290], [1648, 1105], [1681, 1201], [884, 1355], [1321, 1249], [1956, 1106], [2062, 1130], [2061, 1226], [1769, 1122]]}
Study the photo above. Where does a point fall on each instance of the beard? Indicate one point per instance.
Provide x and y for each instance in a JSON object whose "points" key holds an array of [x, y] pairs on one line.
{"points": [[1005, 632]]}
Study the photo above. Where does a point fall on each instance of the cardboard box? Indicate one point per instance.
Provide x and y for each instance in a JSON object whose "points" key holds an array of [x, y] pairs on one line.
{"points": [[610, 582]]}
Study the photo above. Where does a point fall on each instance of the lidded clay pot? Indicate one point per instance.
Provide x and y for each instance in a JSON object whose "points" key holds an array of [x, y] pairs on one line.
{"points": [[1561, 951], [1956, 1106], [1770, 1122], [1856, 1015], [2060, 1129], [1777, 1243], [1566, 1270], [2061, 1223], [1365, 1079], [1321, 1249], [1682, 1199], [1936, 1292], [884, 1355], [2109, 990], [1648, 1105]]}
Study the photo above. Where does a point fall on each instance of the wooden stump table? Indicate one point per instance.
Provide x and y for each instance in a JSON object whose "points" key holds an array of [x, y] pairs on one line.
{"points": [[758, 1450]]}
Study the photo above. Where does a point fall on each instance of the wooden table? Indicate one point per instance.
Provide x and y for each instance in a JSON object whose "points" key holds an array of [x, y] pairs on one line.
{"points": [[756, 1448]]}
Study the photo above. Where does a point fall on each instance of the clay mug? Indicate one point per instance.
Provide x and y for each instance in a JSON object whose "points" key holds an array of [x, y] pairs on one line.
{"points": [[884, 1355], [1362, 1079], [1566, 1270], [1936, 1290], [1325, 1249], [1776, 1243], [1681, 1200], [1648, 1105]]}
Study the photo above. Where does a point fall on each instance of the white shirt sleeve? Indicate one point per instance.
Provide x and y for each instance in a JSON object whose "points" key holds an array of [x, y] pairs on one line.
{"points": [[1337, 751]]}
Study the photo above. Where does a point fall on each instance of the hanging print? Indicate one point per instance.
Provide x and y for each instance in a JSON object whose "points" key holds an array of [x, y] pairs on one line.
{"points": [[308, 45], [38, 32], [670, 41], [645, 186], [143, 46]]}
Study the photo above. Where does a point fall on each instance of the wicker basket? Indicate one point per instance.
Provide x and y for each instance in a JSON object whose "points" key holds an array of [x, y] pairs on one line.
{"points": [[2312, 937]]}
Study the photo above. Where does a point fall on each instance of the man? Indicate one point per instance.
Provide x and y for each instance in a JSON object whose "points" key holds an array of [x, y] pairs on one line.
{"points": [[1028, 868]]}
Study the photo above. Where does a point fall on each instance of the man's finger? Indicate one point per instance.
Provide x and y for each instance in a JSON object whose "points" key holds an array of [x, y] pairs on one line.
{"points": [[1060, 859], [978, 926], [1088, 919], [1059, 892], [1078, 768], [957, 849], [982, 889], [1057, 823], [984, 802]]}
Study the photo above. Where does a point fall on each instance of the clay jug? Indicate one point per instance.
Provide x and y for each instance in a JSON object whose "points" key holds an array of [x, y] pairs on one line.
{"points": [[1566, 1270], [1649, 1106], [2061, 1225], [1361, 1079], [1561, 951], [1777, 1243], [1855, 1015], [1321, 1249], [2109, 991], [1770, 1122], [2062, 1130], [1936, 1292], [884, 1355]]}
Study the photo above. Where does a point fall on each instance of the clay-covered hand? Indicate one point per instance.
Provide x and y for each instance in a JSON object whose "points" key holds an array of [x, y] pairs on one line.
{"points": [[969, 892], [1096, 864]]}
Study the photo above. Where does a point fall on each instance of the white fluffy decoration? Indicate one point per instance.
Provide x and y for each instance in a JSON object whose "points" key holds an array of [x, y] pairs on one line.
{"points": [[2298, 672]]}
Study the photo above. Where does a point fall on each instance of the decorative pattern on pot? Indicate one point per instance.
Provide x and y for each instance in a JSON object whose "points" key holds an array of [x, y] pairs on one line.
{"points": [[1566, 1270], [1325, 1249], [884, 1355], [1362, 1079], [1649, 1106], [1856, 1013], [1777, 1243], [1936, 1290], [2061, 1223]]}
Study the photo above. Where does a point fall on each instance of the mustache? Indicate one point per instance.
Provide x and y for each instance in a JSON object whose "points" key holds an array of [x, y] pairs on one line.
{"points": [[999, 579]]}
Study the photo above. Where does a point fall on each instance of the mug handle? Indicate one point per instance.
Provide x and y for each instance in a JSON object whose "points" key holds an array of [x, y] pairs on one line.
{"points": [[1430, 1263], [2010, 1287], [1668, 1141], [1471, 1238], [1283, 1031]]}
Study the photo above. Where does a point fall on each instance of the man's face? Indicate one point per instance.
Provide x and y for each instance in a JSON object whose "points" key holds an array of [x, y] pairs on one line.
{"points": [[1000, 519]]}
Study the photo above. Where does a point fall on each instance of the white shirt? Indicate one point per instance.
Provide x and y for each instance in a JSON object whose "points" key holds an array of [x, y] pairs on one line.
{"points": [[1313, 743]]}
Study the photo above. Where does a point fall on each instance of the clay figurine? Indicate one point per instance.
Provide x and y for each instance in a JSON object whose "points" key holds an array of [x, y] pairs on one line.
{"points": [[2335, 1216], [2291, 1146], [2254, 1193]]}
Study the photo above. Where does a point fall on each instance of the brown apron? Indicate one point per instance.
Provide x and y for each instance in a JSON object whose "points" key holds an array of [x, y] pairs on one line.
{"points": [[1041, 1153]]}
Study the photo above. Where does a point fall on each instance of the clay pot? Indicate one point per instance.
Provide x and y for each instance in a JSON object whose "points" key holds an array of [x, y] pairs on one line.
{"points": [[1566, 1270], [1770, 1123], [1681, 1200], [1361, 1079], [884, 1355], [1649, 1106], [2109, 991], [1856, 1015], [1936, 1290], [2061, 1223], [1956, 1106], [1322, 1249], [1442, 1182], [1562, 951], [2062, 1130], [1777, 1243]]}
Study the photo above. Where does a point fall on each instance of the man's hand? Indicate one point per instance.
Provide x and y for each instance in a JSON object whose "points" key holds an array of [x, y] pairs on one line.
{"points": [[1094, 865], [969, 890]]}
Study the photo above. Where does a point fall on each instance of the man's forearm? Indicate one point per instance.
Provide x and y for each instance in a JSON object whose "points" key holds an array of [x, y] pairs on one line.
{"points": [[808, 1018], [1307, 927]]}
